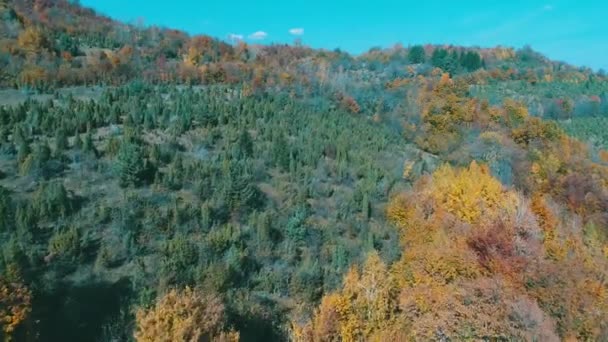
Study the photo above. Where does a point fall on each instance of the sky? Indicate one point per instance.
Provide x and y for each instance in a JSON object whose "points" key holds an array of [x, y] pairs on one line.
{"points": [[575, 32]]}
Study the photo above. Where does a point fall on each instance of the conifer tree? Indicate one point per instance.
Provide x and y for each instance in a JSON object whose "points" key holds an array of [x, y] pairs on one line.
{"points": [[6, 210], [88, 146], [61, 141], [245, 144], [416, 54], [130, 165]]}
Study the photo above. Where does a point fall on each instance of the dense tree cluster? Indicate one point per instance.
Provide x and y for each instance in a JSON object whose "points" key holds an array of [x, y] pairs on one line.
{"points": [[479, 262], [214, 188]]}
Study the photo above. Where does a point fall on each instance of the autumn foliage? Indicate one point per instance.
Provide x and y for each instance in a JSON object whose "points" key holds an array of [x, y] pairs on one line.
{"points": [[15, 306], [186, 315], [479, 262], [363, 310], [441, 184]]}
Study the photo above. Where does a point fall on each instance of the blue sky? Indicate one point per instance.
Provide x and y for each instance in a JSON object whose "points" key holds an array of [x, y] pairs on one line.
{"points": [[571, 31]]}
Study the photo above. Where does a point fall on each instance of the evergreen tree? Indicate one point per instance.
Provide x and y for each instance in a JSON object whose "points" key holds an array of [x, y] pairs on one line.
{"points": [[280, 152], [23, 151], [439, 57], [416, 54], [6, 210], [52, 200], [448, 61], [245, 144], [77, 140], [471, 61], [129, 165], [365, 207], [88, 146], [61, 141]]}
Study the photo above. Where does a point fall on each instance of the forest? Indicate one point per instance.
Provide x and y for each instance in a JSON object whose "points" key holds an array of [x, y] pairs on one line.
{"points": [[158, 186]]}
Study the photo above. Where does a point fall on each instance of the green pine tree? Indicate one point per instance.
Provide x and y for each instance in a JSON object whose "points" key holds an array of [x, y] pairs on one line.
{"points": [[130, 165], [416, 54]]}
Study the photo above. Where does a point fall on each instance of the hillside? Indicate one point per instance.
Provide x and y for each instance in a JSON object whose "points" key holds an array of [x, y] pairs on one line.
{"points": [[156, 186]]}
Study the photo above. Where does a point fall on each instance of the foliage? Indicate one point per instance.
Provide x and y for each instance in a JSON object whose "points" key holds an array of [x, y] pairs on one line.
{"points": [[469, 194], [421, 193], [6, 210], [186, 315], [15, 306], [416, 54], [591, 130], [448, 268], [131, 166], [364, 307]]}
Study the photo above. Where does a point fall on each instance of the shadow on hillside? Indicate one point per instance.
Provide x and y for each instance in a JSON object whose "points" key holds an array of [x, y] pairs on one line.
{"points": [[78, 313]]}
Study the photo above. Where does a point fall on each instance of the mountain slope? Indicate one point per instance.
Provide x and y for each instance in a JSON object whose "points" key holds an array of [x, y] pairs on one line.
{"points": [[209, 191]]}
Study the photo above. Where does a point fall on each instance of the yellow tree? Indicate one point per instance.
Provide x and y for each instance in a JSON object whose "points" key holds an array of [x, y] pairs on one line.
{"points": [[15, 306], [32, 40], [365, 307], [469, 193], [186, 315]]}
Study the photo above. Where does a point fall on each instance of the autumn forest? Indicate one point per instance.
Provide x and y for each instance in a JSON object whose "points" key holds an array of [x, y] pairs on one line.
{"points": [[159, 186]]}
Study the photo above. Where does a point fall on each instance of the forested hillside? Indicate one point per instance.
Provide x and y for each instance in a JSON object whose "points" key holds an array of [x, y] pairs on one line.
{"points": [[156, 186]]}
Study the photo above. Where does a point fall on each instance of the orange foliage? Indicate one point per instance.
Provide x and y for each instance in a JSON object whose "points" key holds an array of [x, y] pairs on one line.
{"points": [[32, 40], [350, 104], [67, 56], [186, 315], [15, 305], [198, 47], [443, 108], [604, 156], [478, 262], [365, 307], [32, 75]]}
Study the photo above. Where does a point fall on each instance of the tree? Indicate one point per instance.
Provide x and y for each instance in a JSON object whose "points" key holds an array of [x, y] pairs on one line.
{"points": [[245, 144], [51, 200], [365, 306], [280, 151], [416, 54], [468, 193], [349, 103], [61, 141], [37, 162], [65, 245], [439, 57], [365, 206], [183, 315], [15, 306], [88, 146], [447, 61], [471, 61], [130, 165], [6, 210], [23, 151], [32, 40]]}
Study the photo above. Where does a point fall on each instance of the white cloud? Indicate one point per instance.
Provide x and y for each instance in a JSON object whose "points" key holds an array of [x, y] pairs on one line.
{"points": [[548, 8], [298, 31], [234, 36], [259, 35]]}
